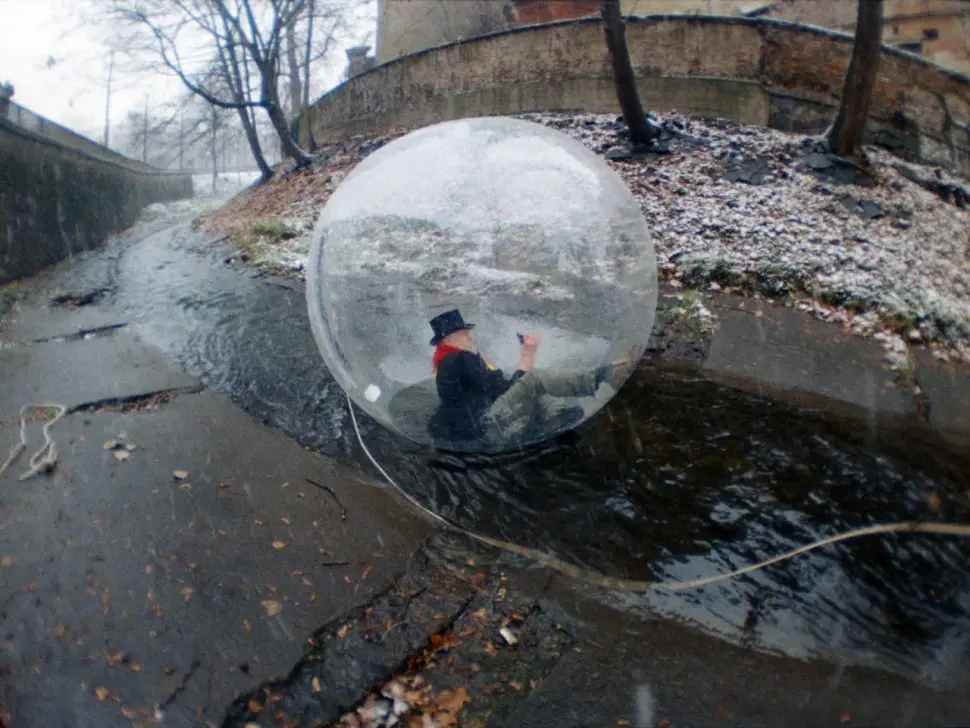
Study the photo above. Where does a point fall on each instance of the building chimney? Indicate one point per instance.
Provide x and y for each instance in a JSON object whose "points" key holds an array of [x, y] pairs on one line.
{"points": [[358, 61]]}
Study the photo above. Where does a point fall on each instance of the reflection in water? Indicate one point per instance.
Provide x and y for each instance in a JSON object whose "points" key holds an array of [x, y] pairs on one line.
{"points": [[681, 478], [677, 478]]}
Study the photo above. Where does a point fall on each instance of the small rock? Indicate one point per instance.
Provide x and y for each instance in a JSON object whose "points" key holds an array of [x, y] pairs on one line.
{"points": [[871, 210], [818, 161]]}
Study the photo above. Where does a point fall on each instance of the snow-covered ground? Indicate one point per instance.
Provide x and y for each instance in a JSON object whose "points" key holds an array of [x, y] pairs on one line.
{"points": [[225, 182], [739, 207], [203, 202]]}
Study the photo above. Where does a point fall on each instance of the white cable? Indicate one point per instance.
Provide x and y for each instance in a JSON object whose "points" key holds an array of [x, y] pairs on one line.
{"points": [[608, 582]]}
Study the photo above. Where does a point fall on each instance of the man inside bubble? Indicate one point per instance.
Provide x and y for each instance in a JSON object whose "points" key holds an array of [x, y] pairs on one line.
{"points": [[478, 402]]}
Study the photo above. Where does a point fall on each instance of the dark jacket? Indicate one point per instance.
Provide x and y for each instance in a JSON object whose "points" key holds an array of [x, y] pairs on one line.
{"points": [[467, 387]]}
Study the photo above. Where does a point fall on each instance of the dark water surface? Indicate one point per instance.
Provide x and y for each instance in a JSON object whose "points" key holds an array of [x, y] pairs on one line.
{"points": [[677, 478]]}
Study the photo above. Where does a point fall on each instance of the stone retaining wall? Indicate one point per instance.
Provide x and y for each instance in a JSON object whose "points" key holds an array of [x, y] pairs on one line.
{"points": [[756, 71], [57, 199]]}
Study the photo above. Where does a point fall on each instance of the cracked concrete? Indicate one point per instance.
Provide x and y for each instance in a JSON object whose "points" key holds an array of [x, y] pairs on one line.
{"points": [[130, 595]]}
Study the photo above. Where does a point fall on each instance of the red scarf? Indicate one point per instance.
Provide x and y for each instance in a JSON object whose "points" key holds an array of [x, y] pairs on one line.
{"points": [[440, 353]]}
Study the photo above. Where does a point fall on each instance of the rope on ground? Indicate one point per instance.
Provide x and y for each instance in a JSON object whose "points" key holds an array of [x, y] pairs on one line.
{"points": [[609, 582], [45, 459]]}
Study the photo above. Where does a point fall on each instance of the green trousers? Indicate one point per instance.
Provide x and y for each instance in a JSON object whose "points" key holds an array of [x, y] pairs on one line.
{"points": [[526, 401]]}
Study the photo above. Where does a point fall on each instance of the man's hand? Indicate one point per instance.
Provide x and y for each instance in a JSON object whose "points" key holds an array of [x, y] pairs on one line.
{"points": [[530, 343], [527, 352]]}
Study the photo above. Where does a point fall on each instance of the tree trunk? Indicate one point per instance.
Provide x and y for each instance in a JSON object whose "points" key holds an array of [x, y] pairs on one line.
{"points": [[271, 103], [296, 90], [252, 137], [641, 132], [311, 19], [215, 152], [845, 136]]}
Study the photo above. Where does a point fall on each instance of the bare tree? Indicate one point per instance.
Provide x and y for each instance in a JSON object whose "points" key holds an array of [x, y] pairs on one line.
{"points": [[293, 68], [845, 135], [308, 52], [243, 41], [641, 132]]}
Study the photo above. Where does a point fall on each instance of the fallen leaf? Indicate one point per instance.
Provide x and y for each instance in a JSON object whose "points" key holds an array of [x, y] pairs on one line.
{"points": [[168, 670], [342, 632], [517, 687], [623, 721], [272, 608], [187, 592], [130, 446], [6, 560], [845, 718], [59, 630], [279, 545], [254, 706], [223, 532], [441, 642], [135, 667], [185, 486], [447, 706], [122, 455], [180, 474], [111, 445], [115, 658], [285, 520], [307, 582], [490, 648], [128, 713], [316, 684], [247, 626], [101, 693]]}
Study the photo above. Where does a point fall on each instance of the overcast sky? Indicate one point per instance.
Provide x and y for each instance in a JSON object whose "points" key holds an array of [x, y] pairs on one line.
{"points": [[71, 89]]}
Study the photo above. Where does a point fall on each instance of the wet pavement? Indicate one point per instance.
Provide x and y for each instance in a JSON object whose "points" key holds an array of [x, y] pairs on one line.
{"points": [[680, 476], [129, 593]]}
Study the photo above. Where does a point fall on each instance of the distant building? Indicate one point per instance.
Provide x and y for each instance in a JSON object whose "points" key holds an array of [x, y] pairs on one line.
{"points": [[936, 29]]}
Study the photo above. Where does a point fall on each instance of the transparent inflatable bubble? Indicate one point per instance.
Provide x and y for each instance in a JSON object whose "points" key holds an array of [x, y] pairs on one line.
{"points": [[501, 224]]}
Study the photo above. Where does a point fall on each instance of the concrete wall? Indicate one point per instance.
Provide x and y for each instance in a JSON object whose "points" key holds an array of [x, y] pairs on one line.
{"points": [[57, 198], [757, 71]]}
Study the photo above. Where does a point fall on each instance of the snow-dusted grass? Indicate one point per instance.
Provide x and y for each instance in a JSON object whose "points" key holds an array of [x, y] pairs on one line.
{"points": [[799, 237]]}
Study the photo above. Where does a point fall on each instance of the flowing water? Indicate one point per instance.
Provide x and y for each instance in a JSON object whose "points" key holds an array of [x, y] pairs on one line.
{"points": [[677, 478]]}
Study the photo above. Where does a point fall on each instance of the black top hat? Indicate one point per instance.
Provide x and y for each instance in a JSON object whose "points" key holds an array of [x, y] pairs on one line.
{"points": [[446, 324]]}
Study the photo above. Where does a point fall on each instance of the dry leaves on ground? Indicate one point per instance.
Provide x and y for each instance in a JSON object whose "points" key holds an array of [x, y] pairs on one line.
{"points": [[119, 448], [271, 607]]}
